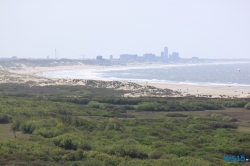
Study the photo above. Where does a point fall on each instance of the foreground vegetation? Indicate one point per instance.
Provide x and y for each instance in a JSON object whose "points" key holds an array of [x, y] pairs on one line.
{"points": [[111, 131]]}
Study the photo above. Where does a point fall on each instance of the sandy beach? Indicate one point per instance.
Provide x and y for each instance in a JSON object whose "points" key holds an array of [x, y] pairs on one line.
{"points": [[30, 74], [197, 90]]}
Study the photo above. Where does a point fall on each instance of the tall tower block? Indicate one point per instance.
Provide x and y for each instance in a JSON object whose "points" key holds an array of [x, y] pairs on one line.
{"points": [[165, 52], [56, 54]]}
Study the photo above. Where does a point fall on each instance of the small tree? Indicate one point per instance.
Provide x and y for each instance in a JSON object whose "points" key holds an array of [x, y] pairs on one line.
{"points": [[13, 129]]}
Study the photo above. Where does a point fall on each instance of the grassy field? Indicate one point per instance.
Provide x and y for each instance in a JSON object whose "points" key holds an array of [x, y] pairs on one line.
{"points": [[7, 134]]}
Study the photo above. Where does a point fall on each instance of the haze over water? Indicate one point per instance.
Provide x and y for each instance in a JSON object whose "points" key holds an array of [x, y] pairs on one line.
{"points": [[209, 74]]}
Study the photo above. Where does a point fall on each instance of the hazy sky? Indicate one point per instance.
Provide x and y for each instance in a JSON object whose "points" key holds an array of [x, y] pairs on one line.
{"points": [[203, 28]]}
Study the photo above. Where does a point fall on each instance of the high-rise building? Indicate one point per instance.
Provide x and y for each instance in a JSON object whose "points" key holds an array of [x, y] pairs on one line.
{"points": [[111, 57], [165, 53], [162, 55]]}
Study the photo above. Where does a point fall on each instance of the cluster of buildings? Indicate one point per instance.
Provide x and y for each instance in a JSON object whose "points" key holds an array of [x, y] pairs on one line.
{"points": [[148, 57], [172, 57]]}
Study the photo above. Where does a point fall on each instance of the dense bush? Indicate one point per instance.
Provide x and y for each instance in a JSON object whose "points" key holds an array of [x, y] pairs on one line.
{"points": [[132, 151], [84, 145], [234, 103], [222, 117], [4, 118], [48, 132], [120, 101], [223, 125], [147, 106], [94, 104], [216, 116], [227, 119], [247, 106], [68, 132], [155, 154], [28, 126], [65, 142], [206, 105]]}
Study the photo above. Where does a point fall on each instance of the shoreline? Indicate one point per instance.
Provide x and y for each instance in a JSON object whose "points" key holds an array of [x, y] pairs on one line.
{"points": [[204, 90], [34, 70], [221, 91]]}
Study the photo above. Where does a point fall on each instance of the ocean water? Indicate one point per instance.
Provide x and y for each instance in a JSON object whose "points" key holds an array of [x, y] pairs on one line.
{"points": [[236, 74]]}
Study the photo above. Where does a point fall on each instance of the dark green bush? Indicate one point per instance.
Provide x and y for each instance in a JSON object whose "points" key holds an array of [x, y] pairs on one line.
{"points": [[223, 125], [128, 150], [79, 155], [234, 104], [206, 105], [94, 104], [4, 118], [84, 145], [48, 133], [147, 106], [65, 142], [222, 117], [155, 154]]}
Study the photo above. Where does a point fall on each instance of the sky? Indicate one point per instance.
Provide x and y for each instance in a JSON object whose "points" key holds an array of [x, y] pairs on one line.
{"points": [[215, 29]]}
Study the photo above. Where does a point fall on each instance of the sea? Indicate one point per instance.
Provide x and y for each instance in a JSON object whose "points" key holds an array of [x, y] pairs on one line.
{"points": [[229, 74]]}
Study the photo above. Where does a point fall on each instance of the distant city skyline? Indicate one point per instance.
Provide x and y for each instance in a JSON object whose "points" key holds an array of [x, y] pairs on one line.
{"points": [[205, 29]]}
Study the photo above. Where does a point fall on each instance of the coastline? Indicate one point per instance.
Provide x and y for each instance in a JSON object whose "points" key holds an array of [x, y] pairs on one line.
{"points": [[213, 91], [216, 91]]}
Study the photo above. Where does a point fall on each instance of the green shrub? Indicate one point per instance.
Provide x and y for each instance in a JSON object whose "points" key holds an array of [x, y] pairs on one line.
{"points": [[144, 141], [129, 107], [168, 156], [132, 151], [84, 145], [155, 154], [65, 142], [110, 162], [227, 119], [17, 123], [69, 157], [230, 104], [207, 105], [79, 155], [216, 116], [114, 124], [4, 118], [28, 127], [234, 104], [94, 104], [223, 125], [198, 127], [147, 106], [222, 117], [47, 132], [57, 154], [247, 106]]}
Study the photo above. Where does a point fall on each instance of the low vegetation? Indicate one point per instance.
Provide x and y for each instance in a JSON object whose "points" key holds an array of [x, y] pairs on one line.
{"points": [[95, 131], [247, 106]]}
